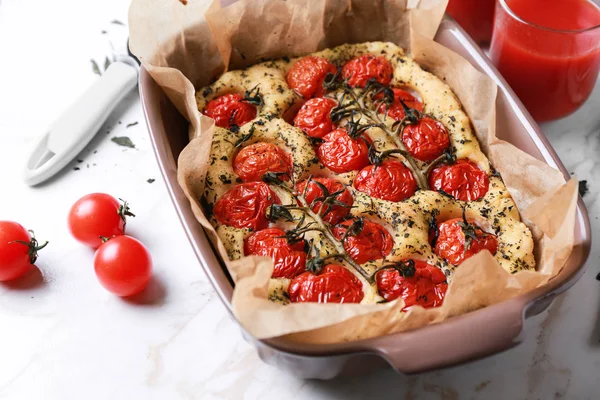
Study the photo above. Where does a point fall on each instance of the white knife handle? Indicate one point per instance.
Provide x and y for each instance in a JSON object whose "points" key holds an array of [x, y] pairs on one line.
{"points": [[78, 125]]}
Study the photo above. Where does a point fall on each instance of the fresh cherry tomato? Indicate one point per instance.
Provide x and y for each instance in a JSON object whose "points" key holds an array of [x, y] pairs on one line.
{"points": [[395, 110], [335, 284], [426, 287], [340, 153], [18, 250], [359, 70], [123, 265], [230, 110], [313, 117], [462, 180], [372, 243], [97, 215], [255, 160], [390, 181], [289, 259], [307, 75], [334, 213], [450, 243], [426, 140], [245, 205]]}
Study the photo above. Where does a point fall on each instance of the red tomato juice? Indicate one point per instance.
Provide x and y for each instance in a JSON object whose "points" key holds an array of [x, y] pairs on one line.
{"points": [[475, 16], [551, 56]]}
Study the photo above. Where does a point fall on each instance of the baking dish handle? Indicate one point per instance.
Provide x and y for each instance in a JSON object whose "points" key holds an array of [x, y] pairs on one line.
{"points": [[459, 339]]}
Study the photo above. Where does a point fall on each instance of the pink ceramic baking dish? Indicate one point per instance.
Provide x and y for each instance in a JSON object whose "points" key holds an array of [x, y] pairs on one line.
{"points": [[467, 337]]}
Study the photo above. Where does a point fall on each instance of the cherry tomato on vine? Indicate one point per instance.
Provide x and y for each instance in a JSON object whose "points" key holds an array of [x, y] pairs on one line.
{"points": [[426, 287], [255, 160], [18, 250], [426, 140], [245, 205], [313, 117], [336, 212], [340, 153], [230, 110], [95, 215], [450, 243], [391, 181], [373, 242], [307, 74], [463, 180], [123, 265], [289, 259], [334, 284], [359, 70], [395, 110]]}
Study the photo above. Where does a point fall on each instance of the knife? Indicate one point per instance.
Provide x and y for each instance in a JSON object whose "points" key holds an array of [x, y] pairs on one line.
{"points": [[76, 127]]}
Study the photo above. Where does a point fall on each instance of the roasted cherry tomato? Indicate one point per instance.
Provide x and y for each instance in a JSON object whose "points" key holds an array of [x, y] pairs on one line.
{"points": [[335, 284], [245, 205], [462, 180], [426, 140], [255, 160], [390, 181], [18, 250], [289, 260], [372, 243], [334, 213], [313, 118], [230, 110], [123, 265], [340, 153], [307, 74], [426, 287], [450, 243], [359, 70], [395, 110], [97, 215]]}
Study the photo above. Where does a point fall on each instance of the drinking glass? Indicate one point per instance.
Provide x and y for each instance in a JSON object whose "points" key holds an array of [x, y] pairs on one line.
{"points": [[553, 71]]}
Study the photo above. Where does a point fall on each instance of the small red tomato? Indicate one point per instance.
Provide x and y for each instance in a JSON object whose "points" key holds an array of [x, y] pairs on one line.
{"points": [[390, 181], [230, 110], [335, 284], [313, 118], [307, 74], [359, 70], [450, 243], [289, 259], [340, 153], [426, 140], [123, 265], [372, 243], [245, 205], [426, 287], [255, 160], [462, 180], [97, 215], [18, 250], [334, 213], [395, 110]]}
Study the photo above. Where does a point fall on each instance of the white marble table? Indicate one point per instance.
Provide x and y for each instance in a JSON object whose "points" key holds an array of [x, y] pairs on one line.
{"points": [[63, 337]]}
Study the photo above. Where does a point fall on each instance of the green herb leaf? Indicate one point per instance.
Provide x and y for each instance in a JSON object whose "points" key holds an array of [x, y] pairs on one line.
{"points": [[123, 141], [131, 124], [95, 68], [107, 63]]}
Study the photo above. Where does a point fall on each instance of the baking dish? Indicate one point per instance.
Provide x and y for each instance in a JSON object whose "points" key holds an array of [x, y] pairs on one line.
{"points": [[469, 336]]}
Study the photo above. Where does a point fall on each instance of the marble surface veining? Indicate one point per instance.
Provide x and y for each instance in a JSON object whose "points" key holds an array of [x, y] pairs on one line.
{"points": [[63, 337]]}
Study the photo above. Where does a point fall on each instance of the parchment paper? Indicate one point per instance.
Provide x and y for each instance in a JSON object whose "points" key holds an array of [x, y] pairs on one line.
{"points": [[182, 50]]}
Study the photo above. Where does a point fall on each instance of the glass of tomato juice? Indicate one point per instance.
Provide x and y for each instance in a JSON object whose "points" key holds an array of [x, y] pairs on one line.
{"points": [[549, 52]]}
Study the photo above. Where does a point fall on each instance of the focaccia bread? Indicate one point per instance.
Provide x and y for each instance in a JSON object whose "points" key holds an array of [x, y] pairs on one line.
{"points": [[358, 173]]}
